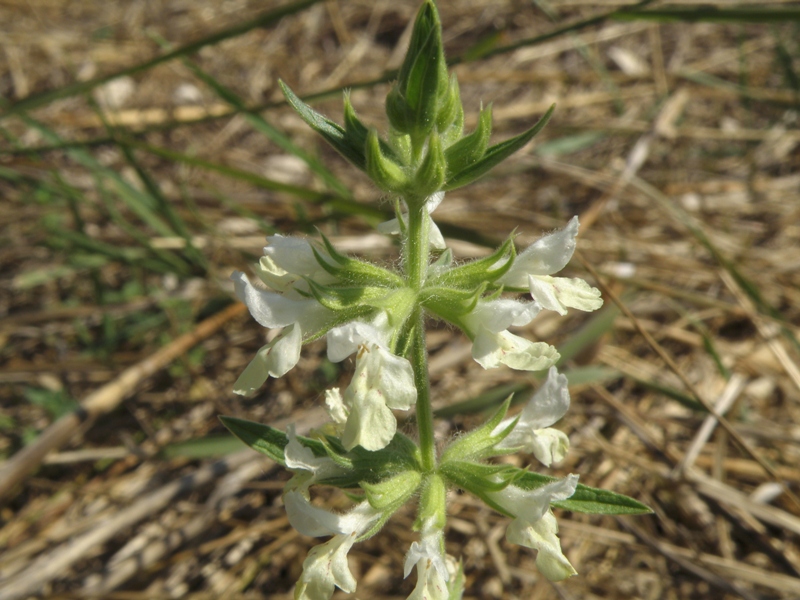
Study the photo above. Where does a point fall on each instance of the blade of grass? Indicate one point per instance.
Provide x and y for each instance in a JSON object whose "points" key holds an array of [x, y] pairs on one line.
{"points": [[83, 87], [387, 76], [342, 204], [164, 206], [141, 204], [261, 125], [711, 14], [696, 229]]}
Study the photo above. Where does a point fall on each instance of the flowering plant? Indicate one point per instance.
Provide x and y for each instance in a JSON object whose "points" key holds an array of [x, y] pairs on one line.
{"points": [[311, 290]]}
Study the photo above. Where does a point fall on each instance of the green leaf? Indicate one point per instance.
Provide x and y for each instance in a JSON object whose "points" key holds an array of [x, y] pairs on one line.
{"points": [[478, 477], [267, 440], [496, 154], [400, 455], [711, 14], [342, 298], [354, 271], [334, 134], [593, 501]]}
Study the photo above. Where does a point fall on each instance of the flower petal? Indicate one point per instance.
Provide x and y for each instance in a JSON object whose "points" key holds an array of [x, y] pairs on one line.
{"points": [[335, 406], [325, 567], [531, 433], [500, 314], [490, 350], [274, 310], [346, 339], [428, 557], [308, 467], [535, 526], [558, 293], [549, 403], [308, 519], [541, 535], [273, 360], [381, 381], [326, 564], [546, 256]]}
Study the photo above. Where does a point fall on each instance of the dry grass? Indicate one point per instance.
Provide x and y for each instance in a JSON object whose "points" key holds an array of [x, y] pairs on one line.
{"points": [[664, 133]]}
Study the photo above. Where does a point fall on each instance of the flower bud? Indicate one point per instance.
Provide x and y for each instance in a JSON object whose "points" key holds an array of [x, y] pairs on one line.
{"points": [[392, 493], [431, 173], [450, 118], [413, 105], [470, 148], [383, 171]]}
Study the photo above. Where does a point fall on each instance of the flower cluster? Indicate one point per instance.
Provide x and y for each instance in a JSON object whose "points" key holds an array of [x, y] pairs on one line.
{"points": [[307, 290]]}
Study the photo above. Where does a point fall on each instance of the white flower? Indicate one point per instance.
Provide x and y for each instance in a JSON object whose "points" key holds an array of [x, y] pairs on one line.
{"points": [[326, 564], [382, 381], [298, 315], [308, 468], [493, 345], [273, 360], [533, 433], [392, 227], [432, 574], [534, 267], [287, 260], [535, 525]]}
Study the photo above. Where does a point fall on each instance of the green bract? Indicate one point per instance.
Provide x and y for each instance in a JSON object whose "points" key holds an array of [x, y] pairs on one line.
{"points": [[377, 314]]}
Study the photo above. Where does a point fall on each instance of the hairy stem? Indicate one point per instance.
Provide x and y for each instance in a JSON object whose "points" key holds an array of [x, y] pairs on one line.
{"points": [[419, 364], [417, 252]]}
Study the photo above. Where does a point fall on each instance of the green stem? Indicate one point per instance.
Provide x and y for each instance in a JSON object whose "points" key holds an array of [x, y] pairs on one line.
{"points": [[417, 256], [419, 364], [417, 245]]}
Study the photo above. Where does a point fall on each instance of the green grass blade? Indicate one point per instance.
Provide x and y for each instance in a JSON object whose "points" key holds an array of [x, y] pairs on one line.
{"points": [[711, 14], [261, 125], [141, 204], [341, 204], [83, 87]]}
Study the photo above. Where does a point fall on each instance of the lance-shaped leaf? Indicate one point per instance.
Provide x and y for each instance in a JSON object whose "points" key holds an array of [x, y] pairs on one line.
{"points": [[267, 440], [336, 135], [495, 155], [393, 492], [342, 298], [593, 501]]}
